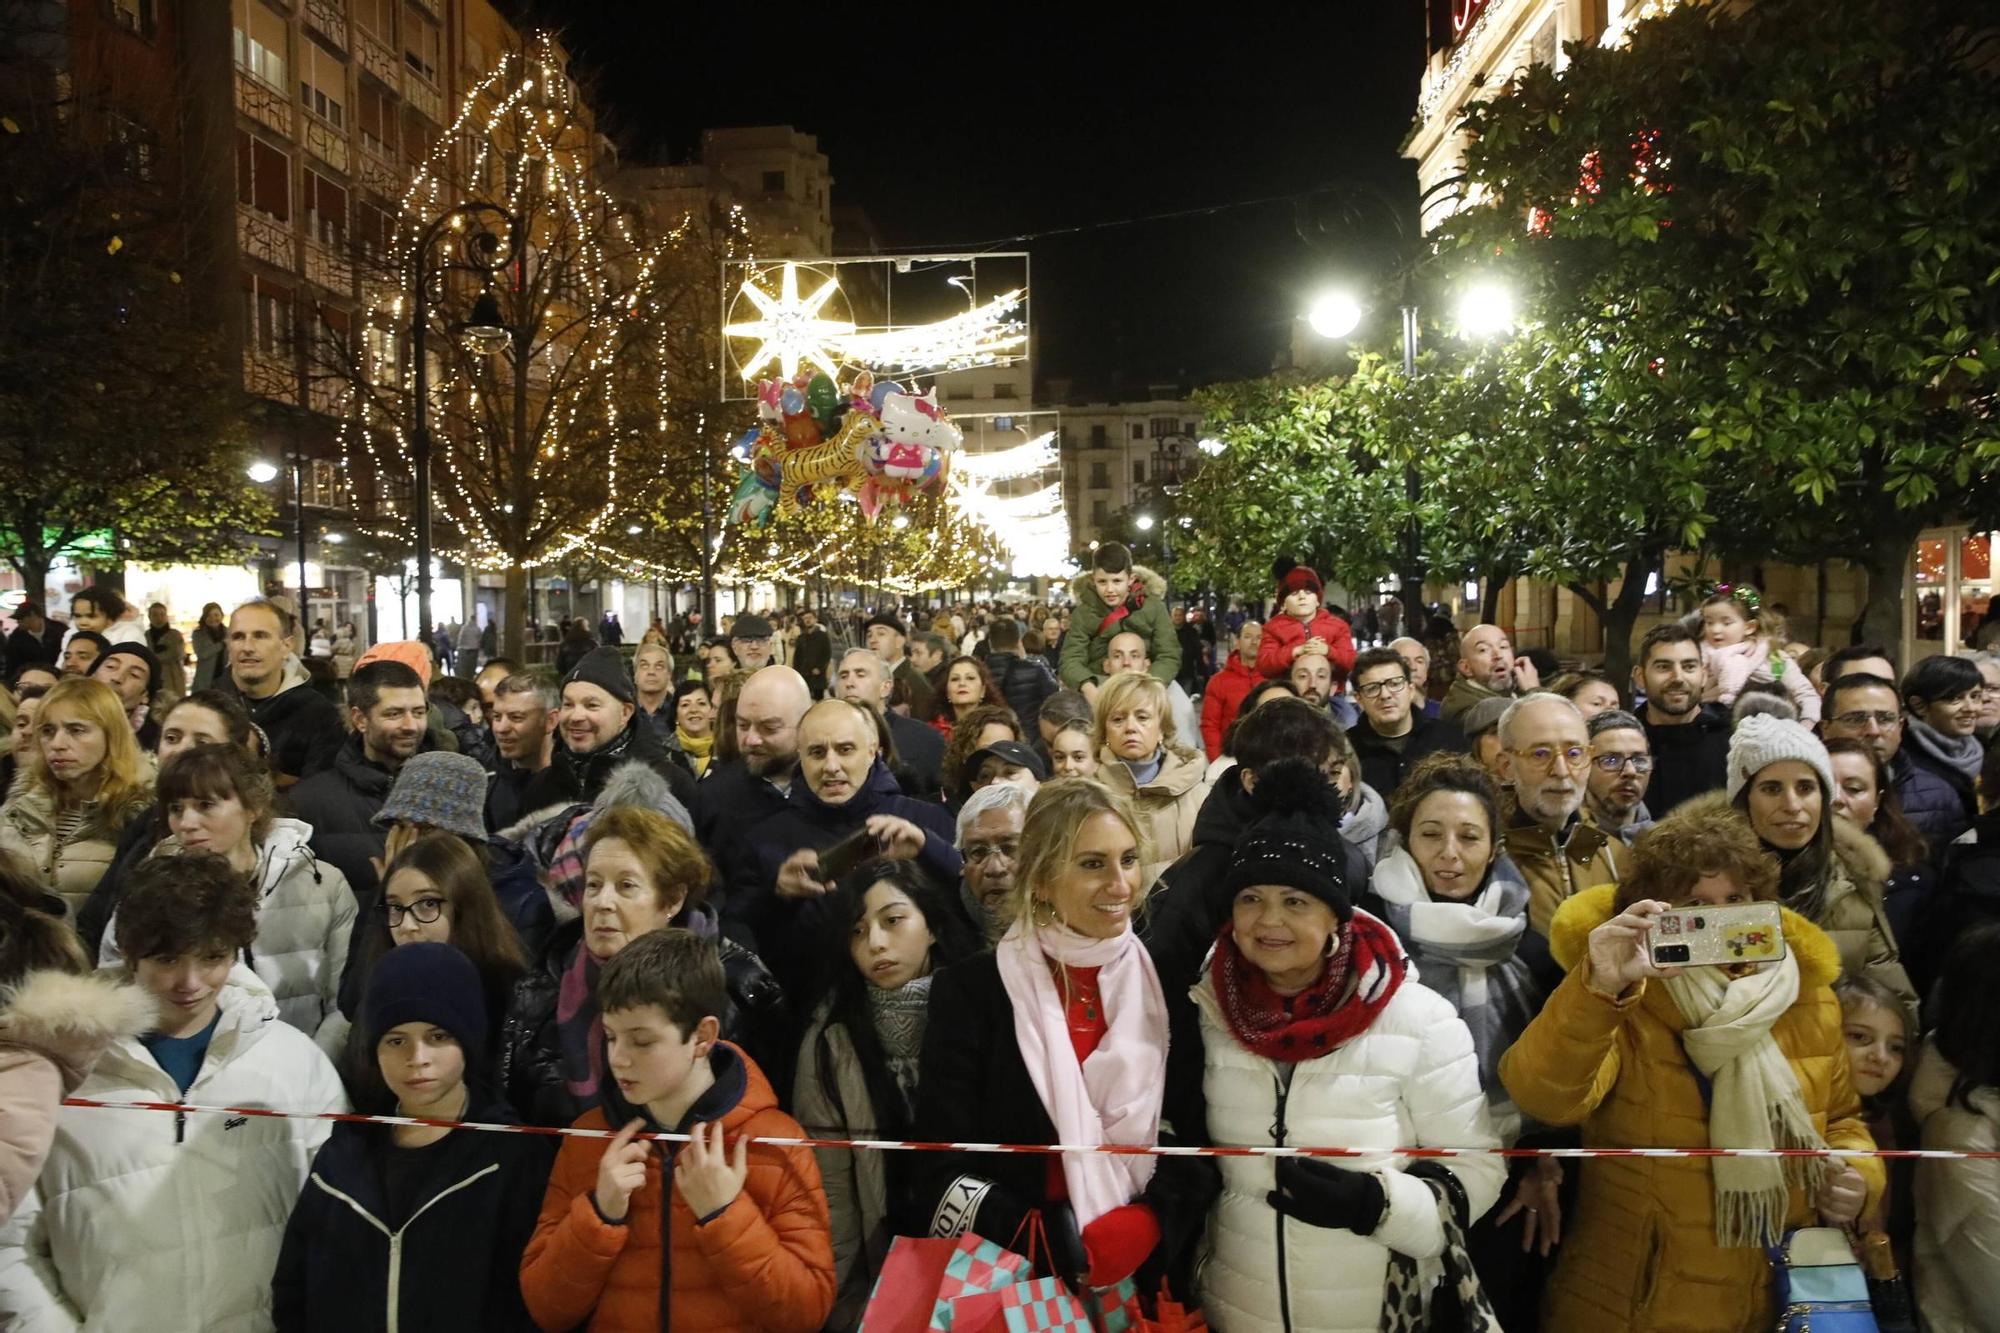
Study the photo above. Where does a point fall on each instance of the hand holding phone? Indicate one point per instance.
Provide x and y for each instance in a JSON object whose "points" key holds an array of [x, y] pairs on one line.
{"points": [[1718, 936], [836, 861]]}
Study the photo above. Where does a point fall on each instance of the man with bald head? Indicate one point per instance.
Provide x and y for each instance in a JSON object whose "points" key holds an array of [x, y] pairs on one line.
{"points": [[1545, 757], [736, 795], [1418, 659], [842, 788], [1487, 669], [863, 678]]}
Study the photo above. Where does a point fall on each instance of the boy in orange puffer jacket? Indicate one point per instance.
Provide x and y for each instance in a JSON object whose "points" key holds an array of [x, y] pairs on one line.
{"points": [[741, 1241]]}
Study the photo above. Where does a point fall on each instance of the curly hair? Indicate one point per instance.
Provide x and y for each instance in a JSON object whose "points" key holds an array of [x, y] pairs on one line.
{"points": [[965, 739], [1446, 772], [672, 859], [175, 905], [989, 692], [1696, 840]]}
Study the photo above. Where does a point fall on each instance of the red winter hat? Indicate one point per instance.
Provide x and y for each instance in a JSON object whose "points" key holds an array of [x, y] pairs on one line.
{"points": [[1293, 576]]}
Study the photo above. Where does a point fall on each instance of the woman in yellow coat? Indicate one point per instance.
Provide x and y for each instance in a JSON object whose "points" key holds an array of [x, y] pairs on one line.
{"points": [[1641, 1056]]}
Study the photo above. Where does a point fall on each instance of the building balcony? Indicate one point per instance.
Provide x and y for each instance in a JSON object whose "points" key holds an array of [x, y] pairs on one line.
{"points": [[422, 94], [328, 18], [431, 7], [376, 57], [377, 169], [264, 237], [269, 376], [263, 104], [326, 143], [328, 268]]}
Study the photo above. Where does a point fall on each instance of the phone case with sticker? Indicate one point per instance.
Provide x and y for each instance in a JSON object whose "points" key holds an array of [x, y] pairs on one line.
{"points": [[1718, 936]]}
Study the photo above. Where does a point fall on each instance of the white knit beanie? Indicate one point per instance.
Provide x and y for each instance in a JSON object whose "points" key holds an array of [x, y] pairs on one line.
{"points": [[1760, 740]]}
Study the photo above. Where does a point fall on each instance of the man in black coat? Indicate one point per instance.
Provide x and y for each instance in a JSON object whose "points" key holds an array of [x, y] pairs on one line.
{"points": [[1024, 681], [36, 638], [846, 789], [1392, 734], [303, 725], [1689, 739], [388, 709], [523, 716], [918, 763], [812, 655], [600, 730], [737, 796]]}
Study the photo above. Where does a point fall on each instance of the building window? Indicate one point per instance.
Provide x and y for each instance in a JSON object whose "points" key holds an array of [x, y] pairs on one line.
{"points": [[1138, 474], [323, 84], [384, 361], [1100, 513], [136, 147], [1138, 430], [774, 182], [376, 115], [372, 228], [1165, 426], [378, 16], [260, 43], [1099, 438], [1003, 389], [420, 42], [267, 315], [134, 16], [326, 209], [263, 177], [1100, 476]]}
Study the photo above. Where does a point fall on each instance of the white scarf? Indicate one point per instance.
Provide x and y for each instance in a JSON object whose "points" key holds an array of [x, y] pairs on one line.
{"points": [[1754, 1100], [1473, 935], [1114, 1096]]}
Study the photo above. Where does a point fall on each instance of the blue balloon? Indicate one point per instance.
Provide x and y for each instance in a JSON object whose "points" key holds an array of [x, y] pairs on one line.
{"points": [[746, 444], [792, 401], [882, 391]]}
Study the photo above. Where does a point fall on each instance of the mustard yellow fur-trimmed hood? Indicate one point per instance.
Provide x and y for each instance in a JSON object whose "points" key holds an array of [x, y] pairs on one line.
{"points": [[1569, 936]]}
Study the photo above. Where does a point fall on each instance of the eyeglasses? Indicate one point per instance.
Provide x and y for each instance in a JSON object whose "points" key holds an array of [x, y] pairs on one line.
{"points": [[1641, 764], [425, 910], [1859, 720], [1545, 756], [1376, 689], [979, 853]]}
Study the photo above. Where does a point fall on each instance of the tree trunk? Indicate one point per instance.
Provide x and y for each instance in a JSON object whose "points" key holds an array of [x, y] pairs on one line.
{"points": [[1622, 614], [514, 614], [33, 567], [1886, 558], [1489, 604]]}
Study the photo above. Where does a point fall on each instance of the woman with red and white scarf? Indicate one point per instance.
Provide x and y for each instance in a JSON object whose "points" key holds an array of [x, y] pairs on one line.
{"points": [[1316, 1033], [1060, 1035]]}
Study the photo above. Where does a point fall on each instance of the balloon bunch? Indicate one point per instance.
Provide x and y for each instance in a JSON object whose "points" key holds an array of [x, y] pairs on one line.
{"points": [[874, 440]]}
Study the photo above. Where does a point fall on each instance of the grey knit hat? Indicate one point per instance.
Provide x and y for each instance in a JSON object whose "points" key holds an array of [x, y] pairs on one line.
{"points": [[439, 789], [1762, 740]]}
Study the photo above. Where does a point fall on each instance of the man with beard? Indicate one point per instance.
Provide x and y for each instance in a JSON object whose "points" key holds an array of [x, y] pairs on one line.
{"points": [[1418, 659], [1545, 755], [1487, 669], [737, 796], [812, 655], [989, 840], [390, 713], [1312, 676], [1621, 768], [1689, 739], [1392, 736], [845, 788], [601, 730], [919, 759], [524, 716], [750, 642]]}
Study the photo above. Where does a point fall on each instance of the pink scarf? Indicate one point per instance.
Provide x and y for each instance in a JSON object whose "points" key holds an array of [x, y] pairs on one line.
{"points": [[1114, 1096]]}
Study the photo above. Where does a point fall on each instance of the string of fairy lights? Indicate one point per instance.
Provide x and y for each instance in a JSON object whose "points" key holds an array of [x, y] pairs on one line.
{"points": [[599, 488]]}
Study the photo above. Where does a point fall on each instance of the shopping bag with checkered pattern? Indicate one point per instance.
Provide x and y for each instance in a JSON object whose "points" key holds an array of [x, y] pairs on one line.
{"points": [[1044, 1305], [976, 1267]]}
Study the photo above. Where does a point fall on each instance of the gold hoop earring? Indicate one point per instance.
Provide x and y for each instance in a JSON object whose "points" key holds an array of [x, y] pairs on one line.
{"points": [[1042, 912]]}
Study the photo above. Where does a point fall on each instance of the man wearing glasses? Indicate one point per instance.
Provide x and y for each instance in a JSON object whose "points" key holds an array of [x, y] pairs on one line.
{"points": [[1392, 735], [1545, 757], [1621, 768], [1867, 709], [1689, 739]]}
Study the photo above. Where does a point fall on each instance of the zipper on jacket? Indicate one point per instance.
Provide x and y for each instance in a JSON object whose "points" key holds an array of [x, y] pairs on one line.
{"points": [[1278, 1141], [180, 1126], [393, 1317]]}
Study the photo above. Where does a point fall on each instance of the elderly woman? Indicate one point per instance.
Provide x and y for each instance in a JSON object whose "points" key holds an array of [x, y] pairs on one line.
{"points": [[1748, 1055], [1059, 1035], [1833, 873], [1315, 1032], [1139, 755]]}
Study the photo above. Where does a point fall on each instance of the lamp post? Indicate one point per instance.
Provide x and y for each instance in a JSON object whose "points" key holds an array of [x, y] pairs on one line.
{"points": [[484, 332], [264, 473]]}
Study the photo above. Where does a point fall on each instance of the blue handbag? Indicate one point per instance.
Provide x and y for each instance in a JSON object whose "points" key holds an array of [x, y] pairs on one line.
{"points": [[1819, 1284]]}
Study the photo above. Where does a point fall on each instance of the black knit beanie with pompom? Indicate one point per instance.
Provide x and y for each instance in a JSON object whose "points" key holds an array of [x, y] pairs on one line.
{"points": [[1295, 840]]}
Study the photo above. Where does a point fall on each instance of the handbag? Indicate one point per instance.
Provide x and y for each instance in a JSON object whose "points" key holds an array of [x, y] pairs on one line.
{"points": [[1406, 1292], [1819, 1285]]}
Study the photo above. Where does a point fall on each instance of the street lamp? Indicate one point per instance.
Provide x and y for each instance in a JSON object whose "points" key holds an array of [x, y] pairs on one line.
{"points": [[1485, 308], [1335, 315], [263, 473], [1144, 522], [484, 333]]}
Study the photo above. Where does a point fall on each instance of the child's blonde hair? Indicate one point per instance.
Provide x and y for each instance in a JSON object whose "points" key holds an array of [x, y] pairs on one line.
{"points": [[1765, 623]]}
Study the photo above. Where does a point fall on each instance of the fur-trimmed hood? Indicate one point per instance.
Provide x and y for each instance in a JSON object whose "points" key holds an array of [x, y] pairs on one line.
{"points": [[1084, 593], [1865, 865], [72, 1019], [1569, 936]]}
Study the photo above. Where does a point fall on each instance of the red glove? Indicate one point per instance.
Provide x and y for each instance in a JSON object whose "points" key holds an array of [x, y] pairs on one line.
{"points": [[1118, 1242]]}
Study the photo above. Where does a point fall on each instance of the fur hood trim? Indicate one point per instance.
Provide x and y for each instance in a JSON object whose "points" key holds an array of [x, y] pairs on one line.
{"points": [[635, 782], [1083, 592], [1867, 865], [1569, 936], [71, 1019]]}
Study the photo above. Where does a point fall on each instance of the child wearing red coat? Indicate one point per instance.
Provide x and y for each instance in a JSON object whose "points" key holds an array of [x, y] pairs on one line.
{"points": [[1302, 625]]}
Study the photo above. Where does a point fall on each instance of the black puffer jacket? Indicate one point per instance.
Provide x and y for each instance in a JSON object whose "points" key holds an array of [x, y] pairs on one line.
{"points": [[578, 778], [1967, 894], [531, 1046], [340, 804], [304, 726], [1025, 683]]}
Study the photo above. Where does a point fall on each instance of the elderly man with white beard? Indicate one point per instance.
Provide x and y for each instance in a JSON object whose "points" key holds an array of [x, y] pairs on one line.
{"points": [[1545, 757]]}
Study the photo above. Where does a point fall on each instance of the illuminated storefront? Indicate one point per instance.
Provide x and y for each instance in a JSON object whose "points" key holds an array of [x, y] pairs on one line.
{"points": [[1949, 598]]}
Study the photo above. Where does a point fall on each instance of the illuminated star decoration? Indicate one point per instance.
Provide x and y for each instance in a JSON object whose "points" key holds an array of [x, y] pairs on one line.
{"points": [[791, 330]]}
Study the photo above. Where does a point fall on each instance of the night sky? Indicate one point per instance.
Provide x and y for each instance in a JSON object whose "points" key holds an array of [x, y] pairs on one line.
{"points": [[966, 130]]}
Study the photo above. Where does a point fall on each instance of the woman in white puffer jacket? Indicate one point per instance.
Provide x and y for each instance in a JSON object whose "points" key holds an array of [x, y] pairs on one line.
{"points": [[1316, 1034], [167, 1221], [216, 798]]}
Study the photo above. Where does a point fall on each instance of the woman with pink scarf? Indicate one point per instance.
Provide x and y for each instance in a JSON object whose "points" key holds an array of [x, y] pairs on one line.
{"points": [[1060, 1035]]}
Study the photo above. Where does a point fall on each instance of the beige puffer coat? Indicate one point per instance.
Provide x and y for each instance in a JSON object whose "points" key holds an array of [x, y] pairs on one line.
{"points": [[68, 866], [1168, 804]]}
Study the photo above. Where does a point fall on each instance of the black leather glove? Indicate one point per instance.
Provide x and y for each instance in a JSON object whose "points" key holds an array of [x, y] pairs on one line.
{"points": [[1321, 1194], [1066, 1250]]}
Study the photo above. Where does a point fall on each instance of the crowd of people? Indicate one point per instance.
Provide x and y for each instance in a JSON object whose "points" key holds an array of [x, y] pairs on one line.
{"points": [[1112, 871]]}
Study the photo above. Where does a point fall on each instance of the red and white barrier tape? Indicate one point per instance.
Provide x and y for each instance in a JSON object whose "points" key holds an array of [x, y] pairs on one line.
{"points": [[1039, 1149]]}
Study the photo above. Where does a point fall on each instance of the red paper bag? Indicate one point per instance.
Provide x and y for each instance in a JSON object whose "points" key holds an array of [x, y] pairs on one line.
{"points": [[907, 1289], [978, 1314]]}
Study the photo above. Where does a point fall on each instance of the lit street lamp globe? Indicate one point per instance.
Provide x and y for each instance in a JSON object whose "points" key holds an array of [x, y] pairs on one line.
{"points": [[1486, 308], [261, 472], [1335, 315], [1144, 522]]}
